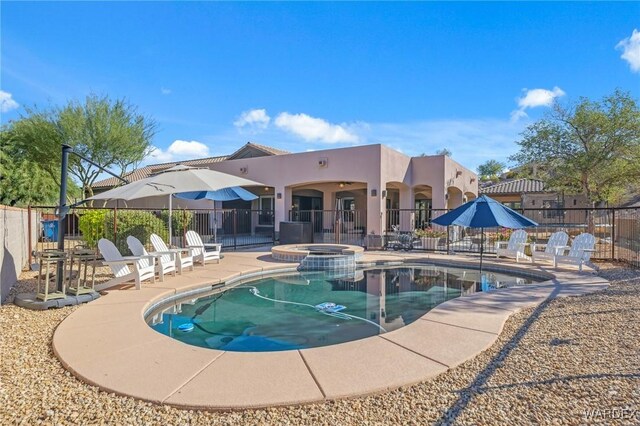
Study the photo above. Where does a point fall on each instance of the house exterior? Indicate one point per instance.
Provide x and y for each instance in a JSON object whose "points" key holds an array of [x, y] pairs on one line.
{"points": [[362, 182], [532, 194]]}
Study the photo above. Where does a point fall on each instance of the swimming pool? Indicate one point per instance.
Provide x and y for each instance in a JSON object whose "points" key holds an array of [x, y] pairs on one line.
{"points": [[306, 310]]}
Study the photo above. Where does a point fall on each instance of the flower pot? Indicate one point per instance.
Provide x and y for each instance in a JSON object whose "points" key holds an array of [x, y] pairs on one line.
{"points": [[429, 243]]}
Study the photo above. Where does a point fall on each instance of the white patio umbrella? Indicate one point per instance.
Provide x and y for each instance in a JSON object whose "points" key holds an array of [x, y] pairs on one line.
{"points": [[172, 181]]}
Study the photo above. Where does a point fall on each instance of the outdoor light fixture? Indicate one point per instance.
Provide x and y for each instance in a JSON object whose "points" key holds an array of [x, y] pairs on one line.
{"points": [[279, 195], [374, 192], [341, 184], [458, 173], [472, 180], [266, 189], [384, 193]]}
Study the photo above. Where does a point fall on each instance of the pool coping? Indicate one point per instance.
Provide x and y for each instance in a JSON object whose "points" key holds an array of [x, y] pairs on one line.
{"points": [[107, 343]]}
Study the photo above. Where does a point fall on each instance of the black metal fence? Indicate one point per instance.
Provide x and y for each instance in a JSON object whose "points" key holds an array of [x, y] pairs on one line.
{"points": [[233, 228], [617, 231], [334, 226]]}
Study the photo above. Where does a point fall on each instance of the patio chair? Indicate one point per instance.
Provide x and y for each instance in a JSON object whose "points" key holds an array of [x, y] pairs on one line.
{"points": [[143, 266], [199, 249], [579, 252], [557, 240], [180, 261], [514, 247], [166, 262]]}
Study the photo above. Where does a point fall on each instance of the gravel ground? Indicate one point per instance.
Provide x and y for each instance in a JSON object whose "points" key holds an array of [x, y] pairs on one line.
{"points": [[554, 364]]}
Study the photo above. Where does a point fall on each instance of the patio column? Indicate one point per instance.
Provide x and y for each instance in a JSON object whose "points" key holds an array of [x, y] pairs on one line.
{"points": [[328, 205], [376, 211], [283, 202], [438, 200], [407, 208]]}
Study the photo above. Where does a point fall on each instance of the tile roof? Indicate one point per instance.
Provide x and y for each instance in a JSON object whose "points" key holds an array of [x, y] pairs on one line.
{"points": [[262, 148], [147, 171], [516, 186]]}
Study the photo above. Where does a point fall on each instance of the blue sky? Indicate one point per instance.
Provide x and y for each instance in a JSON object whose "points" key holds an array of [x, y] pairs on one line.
{"points": [[306, 76]]}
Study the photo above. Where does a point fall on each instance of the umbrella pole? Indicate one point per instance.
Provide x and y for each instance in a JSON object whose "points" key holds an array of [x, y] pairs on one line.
{"points": [[170, 214], [481, 250], [215, 223]]}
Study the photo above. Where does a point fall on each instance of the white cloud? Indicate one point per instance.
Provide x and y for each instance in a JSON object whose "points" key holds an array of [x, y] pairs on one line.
{"points": [[6, 102], [539, 97], [165, 91], [315, 129], [254, 119], [630, 47], [517, 114], [180, 150], [533, 98]]}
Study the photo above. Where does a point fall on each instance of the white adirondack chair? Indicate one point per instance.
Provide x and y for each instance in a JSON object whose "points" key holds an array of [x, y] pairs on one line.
{"points": [[199, 251], [514, 247], [557, 241], [166, 262], [579, 252], [180, 261], [142, 267]]}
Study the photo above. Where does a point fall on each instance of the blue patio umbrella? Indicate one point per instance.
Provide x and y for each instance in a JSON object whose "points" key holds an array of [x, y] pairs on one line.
{"points": [[224, 194], [484, 212]]}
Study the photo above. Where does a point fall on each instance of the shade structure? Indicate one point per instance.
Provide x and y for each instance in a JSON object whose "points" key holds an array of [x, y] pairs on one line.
{"points": [[225, 194], [484, 212], [175, 180]]}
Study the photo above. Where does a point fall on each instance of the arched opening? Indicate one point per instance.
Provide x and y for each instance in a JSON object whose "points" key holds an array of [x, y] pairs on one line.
{"points": [[454, 197], [337, 210], [469, 196], [423, 205]]}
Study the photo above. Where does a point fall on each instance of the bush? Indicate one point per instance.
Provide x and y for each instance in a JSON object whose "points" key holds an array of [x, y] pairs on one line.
{"points": [[140, 224], [92, 225], [180, 220]]}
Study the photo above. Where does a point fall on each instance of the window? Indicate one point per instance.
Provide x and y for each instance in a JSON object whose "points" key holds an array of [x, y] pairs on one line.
{"points": [[266, 207]]}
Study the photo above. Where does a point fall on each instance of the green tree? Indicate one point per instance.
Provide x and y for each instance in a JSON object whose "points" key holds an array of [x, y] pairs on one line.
{"points": [[444, 151], [490, 170], [109, 132], [590, 147], [23, 182]]}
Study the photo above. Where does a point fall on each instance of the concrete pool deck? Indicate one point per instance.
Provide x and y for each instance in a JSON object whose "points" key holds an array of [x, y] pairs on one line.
{"points": [[108, 344]]}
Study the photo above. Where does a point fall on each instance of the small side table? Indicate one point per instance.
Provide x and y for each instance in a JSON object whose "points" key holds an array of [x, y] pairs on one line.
{"points": [[47, 258], [84, 257]]}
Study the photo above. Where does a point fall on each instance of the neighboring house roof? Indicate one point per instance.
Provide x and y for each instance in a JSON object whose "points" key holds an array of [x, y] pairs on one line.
{"points": [[516, 186], [249, 150]]}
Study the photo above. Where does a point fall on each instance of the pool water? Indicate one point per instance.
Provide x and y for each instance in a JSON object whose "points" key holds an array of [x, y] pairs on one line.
{"points": [[307, 310]]}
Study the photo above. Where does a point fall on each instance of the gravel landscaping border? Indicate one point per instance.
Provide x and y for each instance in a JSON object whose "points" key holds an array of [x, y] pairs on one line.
{"points": [[573, 360]]}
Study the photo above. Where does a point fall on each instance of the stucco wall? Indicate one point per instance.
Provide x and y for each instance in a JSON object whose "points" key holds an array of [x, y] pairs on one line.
{"points": [[14, 256], [372, 168]]}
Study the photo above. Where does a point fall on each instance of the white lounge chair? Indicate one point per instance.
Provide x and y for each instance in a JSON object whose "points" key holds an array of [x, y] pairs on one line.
{"points": [[579, 252], [199, 251], [166, 262], [557, 241], [514, 247], [143, 266], [180, 261]]}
